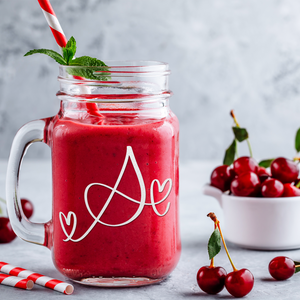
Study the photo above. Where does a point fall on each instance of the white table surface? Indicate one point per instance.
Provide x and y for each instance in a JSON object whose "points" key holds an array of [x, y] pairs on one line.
{"points": [[35, 184]]}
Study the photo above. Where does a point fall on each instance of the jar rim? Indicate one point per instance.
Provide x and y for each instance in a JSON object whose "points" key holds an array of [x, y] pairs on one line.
{"points": [[127, 68]]}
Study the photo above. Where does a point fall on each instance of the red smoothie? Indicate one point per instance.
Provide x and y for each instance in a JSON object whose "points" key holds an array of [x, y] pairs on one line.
{"points": [[115, 197]]}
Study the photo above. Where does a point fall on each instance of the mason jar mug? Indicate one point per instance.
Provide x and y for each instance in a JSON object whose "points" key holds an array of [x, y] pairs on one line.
{"points": [[114, 148]]}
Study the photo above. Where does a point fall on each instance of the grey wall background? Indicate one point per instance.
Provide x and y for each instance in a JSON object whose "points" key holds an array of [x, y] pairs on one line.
{"points": [[233, 54]]}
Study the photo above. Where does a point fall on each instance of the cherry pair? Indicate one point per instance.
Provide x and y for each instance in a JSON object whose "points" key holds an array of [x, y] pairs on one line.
{"points": [[212, 279]]}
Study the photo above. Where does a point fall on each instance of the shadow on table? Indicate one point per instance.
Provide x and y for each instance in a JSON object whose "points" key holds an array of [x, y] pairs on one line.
{"points": [[204, 295]]}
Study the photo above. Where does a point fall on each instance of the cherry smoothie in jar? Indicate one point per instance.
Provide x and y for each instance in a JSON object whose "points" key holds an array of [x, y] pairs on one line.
{"points": [[114, 149]]}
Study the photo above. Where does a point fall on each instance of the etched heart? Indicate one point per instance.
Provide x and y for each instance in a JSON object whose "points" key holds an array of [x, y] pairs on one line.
{"points": [[161, 188], [67, 220]]}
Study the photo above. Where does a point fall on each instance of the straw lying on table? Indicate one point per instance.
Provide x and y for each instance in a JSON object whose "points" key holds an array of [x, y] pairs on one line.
{"points": [[39, 279], [18, 282]]}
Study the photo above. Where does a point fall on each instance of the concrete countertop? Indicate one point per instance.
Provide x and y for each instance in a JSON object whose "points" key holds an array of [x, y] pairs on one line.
{"points": [[35, 184]]}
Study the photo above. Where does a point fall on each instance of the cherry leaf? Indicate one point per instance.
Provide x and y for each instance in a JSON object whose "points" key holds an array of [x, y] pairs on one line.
{"points": [[230, 154], [266, 163], [297, 141], [240, 134], [214, 244], [297, 269]]}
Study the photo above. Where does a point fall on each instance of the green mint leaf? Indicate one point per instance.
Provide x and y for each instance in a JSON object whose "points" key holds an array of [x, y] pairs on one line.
{"points": [[266, 163], [86, 61], [297, 269], [214, 244], [297, 141], [70, 50], [53, 54], [240, 134], [230, 154], [79, 65]]}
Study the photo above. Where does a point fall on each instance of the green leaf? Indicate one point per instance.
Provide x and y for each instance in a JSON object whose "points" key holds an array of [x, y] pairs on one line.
{"points": [[214, 244], [70, 50], [297, 141], [266, 163], [230, 154], [85, 61], [53, 54], [240, 134], [3, 201], [297, 269]]}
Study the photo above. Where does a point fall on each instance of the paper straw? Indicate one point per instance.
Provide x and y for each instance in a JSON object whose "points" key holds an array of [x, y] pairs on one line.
{"points": [[61, 41], [39, 279], [21, 283], [53, 23]]}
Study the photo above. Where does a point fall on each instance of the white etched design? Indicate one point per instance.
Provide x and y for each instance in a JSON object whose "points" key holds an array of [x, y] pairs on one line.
{"points": [[142, 202]]}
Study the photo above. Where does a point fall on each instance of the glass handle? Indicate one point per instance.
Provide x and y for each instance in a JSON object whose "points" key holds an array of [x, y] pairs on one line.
{"points": [[36, 233]]}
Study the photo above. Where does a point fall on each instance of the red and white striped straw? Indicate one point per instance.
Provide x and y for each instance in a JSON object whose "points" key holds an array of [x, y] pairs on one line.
{"points": [[61, 41], [21, 283], [39, 279], [53, 23]]}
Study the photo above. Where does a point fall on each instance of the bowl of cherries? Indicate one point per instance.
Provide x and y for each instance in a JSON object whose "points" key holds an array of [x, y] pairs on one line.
{"points": [[260, 201]]}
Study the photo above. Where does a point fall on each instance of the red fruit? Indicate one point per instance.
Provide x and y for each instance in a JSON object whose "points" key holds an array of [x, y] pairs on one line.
{"points": [[285, 170], [262, 171], [281, 268], [239, 283], [221, 177], [6, 232], [246, 185], [263, 178], [272, 188], [290, 190], [211, 280], [27, 207], [245, 164]]}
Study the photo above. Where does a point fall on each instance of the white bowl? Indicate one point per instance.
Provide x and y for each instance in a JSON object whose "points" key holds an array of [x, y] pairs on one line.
{"points": [[259, 223]]}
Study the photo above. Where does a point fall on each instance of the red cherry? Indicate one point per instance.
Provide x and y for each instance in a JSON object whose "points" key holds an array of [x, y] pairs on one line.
{"points": [[239, 283], [246, 185], [263, 177], [285, 170], [27, 207], [6, 232], [221, 177], [211, 280], [281, 268], [272, 188], [290, 190], [262, 171], [245, 164]]}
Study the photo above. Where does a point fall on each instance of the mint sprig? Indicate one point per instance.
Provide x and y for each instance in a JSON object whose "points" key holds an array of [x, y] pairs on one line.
{"points": [[77, 65], [53, 54]]}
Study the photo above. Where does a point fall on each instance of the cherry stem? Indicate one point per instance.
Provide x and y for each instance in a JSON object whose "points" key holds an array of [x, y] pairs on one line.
{"points": [[298, 185], [238, 125], [297, 266], [217, 223], [296, 159]]}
